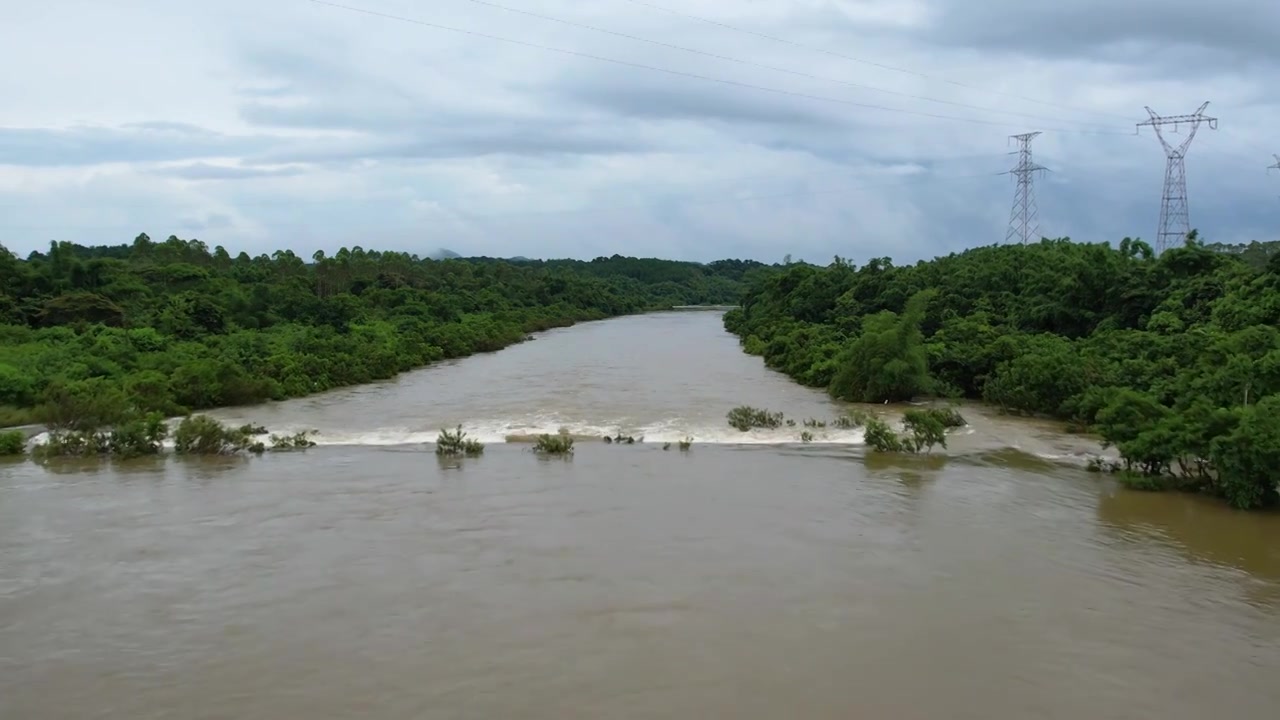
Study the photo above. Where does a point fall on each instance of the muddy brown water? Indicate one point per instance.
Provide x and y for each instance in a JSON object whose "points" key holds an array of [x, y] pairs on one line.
{"points": [[751, 577]]}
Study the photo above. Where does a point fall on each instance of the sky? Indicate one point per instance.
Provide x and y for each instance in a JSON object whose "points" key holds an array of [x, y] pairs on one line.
{"points": [[566, 128]]}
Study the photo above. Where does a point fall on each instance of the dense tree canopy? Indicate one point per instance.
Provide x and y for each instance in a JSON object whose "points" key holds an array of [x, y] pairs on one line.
{"points": [[174, 326], [1173, 359]]}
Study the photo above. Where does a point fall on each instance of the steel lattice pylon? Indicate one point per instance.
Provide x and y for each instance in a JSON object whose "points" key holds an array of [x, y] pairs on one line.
{"points": [[1023, 219], [1175, 220]]}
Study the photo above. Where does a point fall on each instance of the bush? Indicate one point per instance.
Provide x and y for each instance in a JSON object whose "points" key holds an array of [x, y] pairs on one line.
{"points": [[456, 443], [949, 416], [297, 441], [135, 438], [1148, 483], [73, 443], [880, 437], [554, 445], [851, 419], [926, 427], [686, 443], [745, 418], [202, 435], [13, 443]]}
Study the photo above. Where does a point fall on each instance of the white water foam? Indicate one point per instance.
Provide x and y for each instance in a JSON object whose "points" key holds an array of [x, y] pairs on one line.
{"points": [[491, 431]]}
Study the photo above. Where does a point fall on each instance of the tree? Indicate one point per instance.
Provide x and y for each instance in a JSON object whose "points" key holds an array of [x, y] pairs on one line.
{"points": [[887, 362]]}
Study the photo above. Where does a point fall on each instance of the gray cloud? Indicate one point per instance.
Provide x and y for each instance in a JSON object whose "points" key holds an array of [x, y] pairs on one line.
{"points": [[535, 138], [356, 128], [388, 121], [658, 98], [136, 143], [1155, 32], [205, 171]]}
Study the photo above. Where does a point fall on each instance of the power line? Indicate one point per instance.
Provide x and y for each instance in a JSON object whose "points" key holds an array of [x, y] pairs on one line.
{"points": [[722, 184], [773, 68], [696, 76], [872, 63], [1175, 221], [912, 180]]}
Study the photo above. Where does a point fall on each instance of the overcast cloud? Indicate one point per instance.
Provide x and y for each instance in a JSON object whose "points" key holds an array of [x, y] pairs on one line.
{"points": [[288, 123]]}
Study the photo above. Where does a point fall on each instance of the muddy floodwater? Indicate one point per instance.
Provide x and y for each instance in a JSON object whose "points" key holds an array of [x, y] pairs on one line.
{"points": [[751, 577]]}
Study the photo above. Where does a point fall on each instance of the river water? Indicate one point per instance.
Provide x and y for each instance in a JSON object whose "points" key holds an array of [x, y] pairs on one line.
{"points": [[750, 577]]}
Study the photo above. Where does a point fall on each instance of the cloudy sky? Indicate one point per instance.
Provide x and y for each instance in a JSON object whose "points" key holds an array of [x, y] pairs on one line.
{"points": [[290, 123]]}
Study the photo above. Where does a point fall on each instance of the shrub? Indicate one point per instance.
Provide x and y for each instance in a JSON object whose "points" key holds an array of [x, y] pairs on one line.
{"points": [[13, 443], [1148, 483], [138, 437], [686, 443], [851, 419], [453, 444], [554, 445], [745, 418], [297, 441], [927, 428], [881, 437], [202, 435], [949, 416]]}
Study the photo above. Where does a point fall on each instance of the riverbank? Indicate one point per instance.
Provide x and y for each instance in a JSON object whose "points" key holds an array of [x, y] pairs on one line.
{"points": [[24, 418], [659, 377], [172, 327]]}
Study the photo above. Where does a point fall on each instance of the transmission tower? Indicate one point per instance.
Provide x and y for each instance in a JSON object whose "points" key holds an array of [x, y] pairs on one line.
{"points": [[1276, 166], [1023, 223], [1175, 222]]}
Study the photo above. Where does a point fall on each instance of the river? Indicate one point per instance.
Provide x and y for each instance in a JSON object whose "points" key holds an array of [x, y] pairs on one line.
{"points": [[753, 576]]}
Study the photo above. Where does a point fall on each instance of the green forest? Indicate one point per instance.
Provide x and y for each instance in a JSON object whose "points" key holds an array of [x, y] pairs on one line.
{"points": [[1174, 360], [171, 327]]}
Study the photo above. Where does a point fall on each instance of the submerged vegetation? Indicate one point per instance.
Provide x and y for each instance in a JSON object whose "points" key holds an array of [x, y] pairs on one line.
{"points": [[202, 435], [456, 444], [132, 435], [746, 418], [559, 444], [297, 441], [176, 326], [1174, 360]]}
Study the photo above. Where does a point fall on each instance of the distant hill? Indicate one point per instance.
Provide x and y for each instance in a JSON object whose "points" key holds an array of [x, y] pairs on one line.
{"points": [[444, 254]]}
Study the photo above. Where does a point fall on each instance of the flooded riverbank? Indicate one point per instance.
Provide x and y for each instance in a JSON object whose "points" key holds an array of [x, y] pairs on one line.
{"points": [[364, 578]]}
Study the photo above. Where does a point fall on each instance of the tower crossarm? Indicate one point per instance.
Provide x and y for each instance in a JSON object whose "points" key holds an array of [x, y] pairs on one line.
{"points": [[1193, 120]]}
